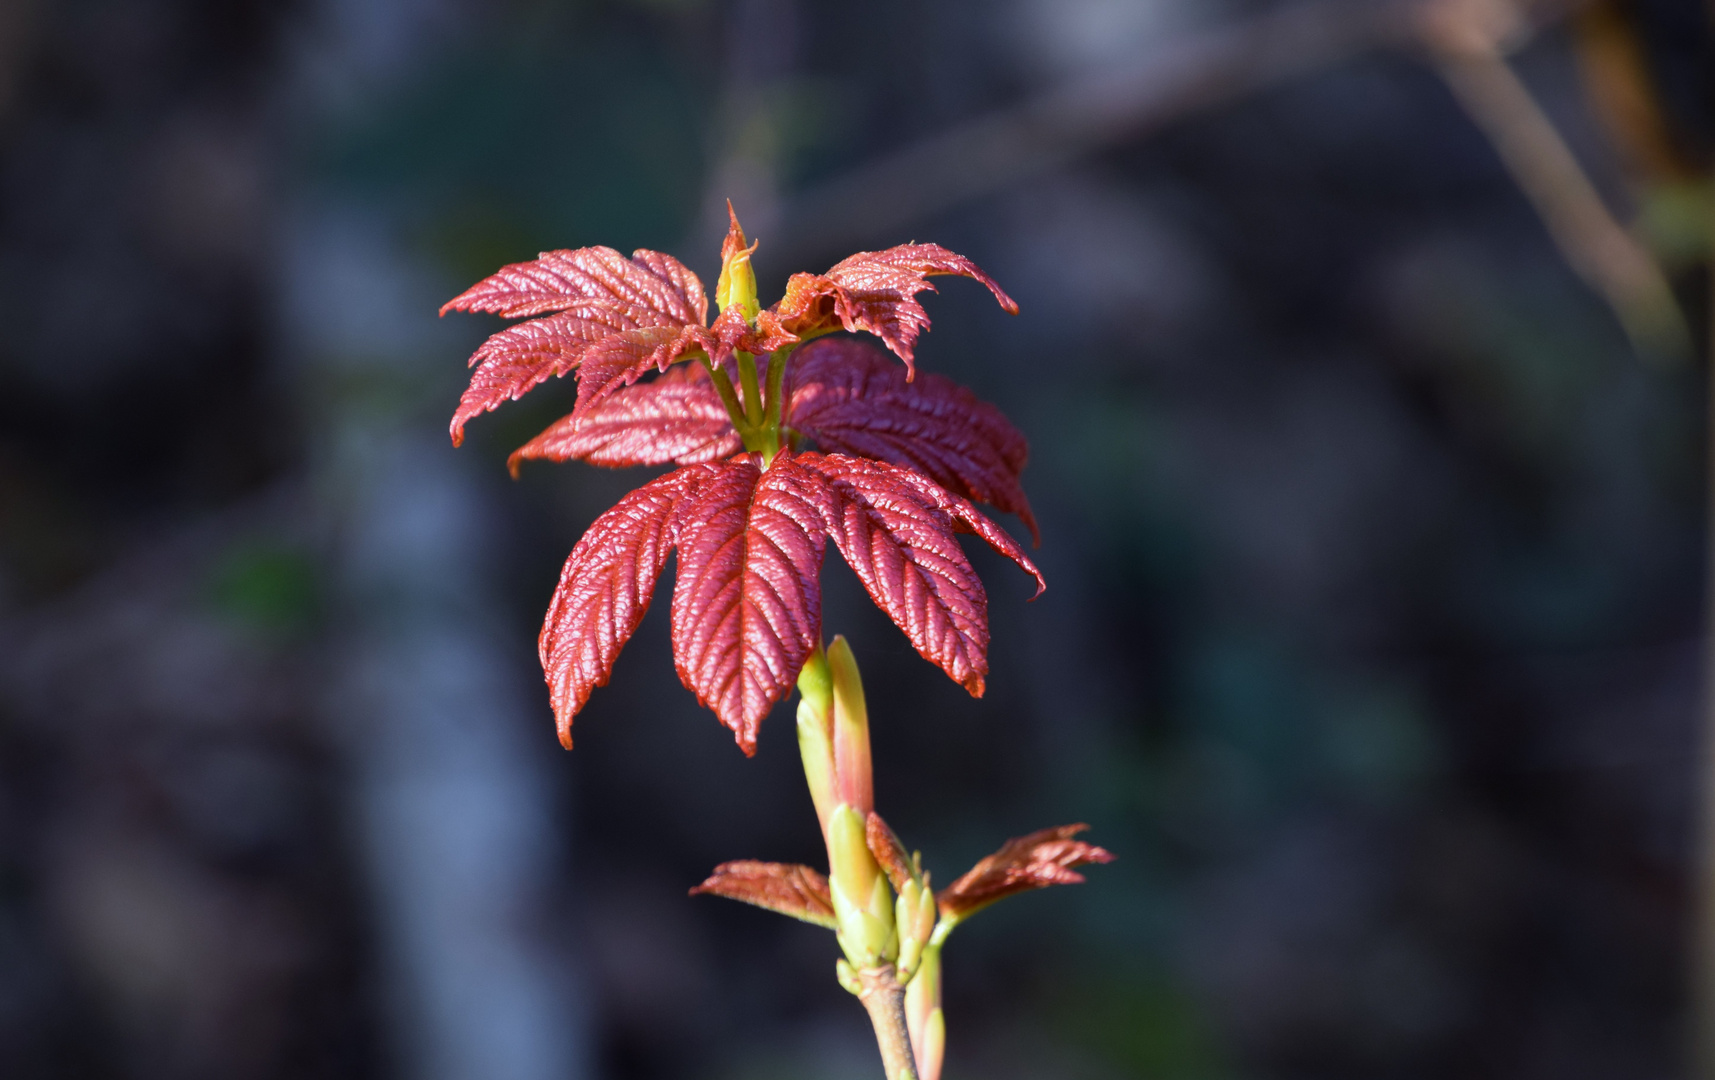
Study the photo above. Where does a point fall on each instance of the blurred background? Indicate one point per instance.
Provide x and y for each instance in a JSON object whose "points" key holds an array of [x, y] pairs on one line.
{"points": [[1367, 447]]}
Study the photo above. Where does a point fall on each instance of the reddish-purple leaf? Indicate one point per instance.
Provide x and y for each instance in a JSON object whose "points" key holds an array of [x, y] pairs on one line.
{"points": [[676, 418], [621, 359], [844, 394], [850, 398], [875, 291], [516, 359], [747, 609], [895, 527], [747, 604], [788, 888], [1029, 862], [606, 587], [648, 289], [889, 852], [597, 292]]}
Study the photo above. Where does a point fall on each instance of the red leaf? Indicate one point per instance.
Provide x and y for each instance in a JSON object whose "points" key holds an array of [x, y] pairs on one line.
{"points": [[747, 605], [649, 289], [676, 418], [747, 609], [895, 528], [848, 397], [513, 361], [621, 359], [606, 587], [598, 293], [1029, 862], [790, 889], [875, 291]]}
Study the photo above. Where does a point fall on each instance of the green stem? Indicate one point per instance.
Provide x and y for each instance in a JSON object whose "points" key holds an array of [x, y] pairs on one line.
{"points": [[723, 387], [777, 386], [752, 395], [761, 436]]}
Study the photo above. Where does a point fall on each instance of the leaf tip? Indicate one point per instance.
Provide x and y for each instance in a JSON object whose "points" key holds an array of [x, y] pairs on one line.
{"points": [[746, 740]]}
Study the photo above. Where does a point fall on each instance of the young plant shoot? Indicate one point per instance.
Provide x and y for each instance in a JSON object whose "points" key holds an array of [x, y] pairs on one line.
{"points": [[900, 460]]}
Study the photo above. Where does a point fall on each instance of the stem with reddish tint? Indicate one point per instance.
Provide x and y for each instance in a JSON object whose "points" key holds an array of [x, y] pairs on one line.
{"points": [[833, 738], [882, 995]]}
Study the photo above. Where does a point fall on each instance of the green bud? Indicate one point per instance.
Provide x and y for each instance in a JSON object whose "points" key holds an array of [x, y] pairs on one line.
{"points": [[863, 902], [816, 734], [849, 860], [914, 919], [816, 682], [847, 977], [736, 287], [865, 938], [818, 755], [853, 779], [934, 1040], [910, 952]]}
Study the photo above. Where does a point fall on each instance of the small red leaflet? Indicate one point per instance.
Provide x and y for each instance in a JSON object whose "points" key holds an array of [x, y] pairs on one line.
{"points": [[788, 888], [1043, 858]]}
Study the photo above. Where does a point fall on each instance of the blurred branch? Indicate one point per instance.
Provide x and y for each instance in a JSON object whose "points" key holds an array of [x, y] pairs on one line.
{"points": [[995, 151], [1703, 955], [1469, 39]]}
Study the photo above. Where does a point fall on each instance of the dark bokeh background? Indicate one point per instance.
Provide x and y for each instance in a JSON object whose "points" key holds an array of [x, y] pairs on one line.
{"points": [[1371, 644]]}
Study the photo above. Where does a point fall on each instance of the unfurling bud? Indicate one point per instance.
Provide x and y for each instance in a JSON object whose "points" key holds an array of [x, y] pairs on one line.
{"points": [[914, 915], [863, 903], [816, 734], [853, 780], [736, 287], [915, 912]]}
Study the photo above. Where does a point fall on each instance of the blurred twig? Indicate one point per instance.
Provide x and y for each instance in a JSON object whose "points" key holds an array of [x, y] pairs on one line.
{"points": [[1469, 39], [1703, 958], [1123, 102]]}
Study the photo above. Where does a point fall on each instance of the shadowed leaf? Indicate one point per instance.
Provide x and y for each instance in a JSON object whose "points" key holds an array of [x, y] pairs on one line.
{"points": [[1029, 862], [676, 418], [850, 398], [606, 587], [621, 359], [895, 528], [788, 888]]}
